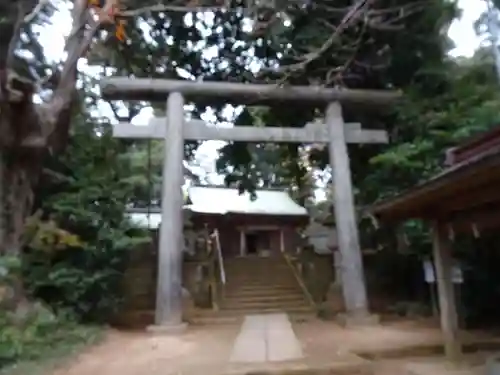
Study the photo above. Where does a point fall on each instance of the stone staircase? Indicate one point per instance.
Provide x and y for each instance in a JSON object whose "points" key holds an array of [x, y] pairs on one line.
{"points": [[258, 286]]}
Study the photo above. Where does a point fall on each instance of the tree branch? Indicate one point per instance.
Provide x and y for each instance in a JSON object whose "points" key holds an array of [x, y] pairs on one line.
{"points": [[355, 12], [167, 8], [15, 35], [36, 11], [361, 17], [77, 45]]}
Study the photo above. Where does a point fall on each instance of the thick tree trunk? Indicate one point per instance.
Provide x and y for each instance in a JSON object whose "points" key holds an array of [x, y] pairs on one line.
{"points": [[19, 173], [28, 131], [18, 202]]}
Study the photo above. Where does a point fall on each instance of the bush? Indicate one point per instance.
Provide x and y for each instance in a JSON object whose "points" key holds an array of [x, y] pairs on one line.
{"points": [[84, 278], [79, 241], [42, 335]]}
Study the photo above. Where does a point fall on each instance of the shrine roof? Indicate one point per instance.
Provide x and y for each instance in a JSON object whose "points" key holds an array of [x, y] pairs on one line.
{"points": [[470, 181], [222, 200], [215, 200]]}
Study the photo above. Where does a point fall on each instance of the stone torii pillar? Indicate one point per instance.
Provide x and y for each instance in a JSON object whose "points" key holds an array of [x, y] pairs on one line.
{"points": [[351, 261], [335, 133], [168, 313]]}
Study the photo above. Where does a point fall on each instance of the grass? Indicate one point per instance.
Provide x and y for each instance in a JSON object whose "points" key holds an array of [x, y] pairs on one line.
{"points": [[36, 351]]}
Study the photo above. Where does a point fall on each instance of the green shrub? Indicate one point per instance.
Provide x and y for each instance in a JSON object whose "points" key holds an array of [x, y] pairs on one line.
{"points": [[42, 335]]}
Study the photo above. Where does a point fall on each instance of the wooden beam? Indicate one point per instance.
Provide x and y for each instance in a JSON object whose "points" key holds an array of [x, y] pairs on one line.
{"points": [[465, 198], [446, 292], [474, 221], [124, 88], [352, 274], [468, 198], [197, 130]]}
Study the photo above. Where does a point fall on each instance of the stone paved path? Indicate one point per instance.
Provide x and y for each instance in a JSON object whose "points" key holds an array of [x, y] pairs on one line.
{"points": [[266, 338]]}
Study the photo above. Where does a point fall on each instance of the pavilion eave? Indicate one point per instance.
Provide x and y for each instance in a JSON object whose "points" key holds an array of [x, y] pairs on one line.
{"points": [[460, 188]]}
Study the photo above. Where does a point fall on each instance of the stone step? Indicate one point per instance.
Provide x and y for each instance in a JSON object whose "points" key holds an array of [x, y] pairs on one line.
{"points": [[262, 286], [248, 269], [269, 275], [253, 277], [260, 305], [251, 311], [250, 259], [232, 304], [253, 264], [259, 283], [259, 279], [261, 271], [222, 317], [216, 319], [281, 297], [259, 274], [255, 286], [262, 296], [264, 289], [143, 318]]}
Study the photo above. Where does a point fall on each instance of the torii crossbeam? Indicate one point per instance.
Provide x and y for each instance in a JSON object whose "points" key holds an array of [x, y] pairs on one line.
{"points": [[198, 130]]}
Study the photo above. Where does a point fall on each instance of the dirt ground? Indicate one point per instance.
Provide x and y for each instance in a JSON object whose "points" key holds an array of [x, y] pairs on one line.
{"points": [[140, 353], [325, 344]]}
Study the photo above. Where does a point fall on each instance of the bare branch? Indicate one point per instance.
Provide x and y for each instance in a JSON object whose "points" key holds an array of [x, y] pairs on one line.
{"points": [[355, 11], [168, 8], [15, 35], [339, 73], [361, 17], [36, 11], [77, 45]]}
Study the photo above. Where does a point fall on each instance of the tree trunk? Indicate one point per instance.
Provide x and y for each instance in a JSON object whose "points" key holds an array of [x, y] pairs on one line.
{"points": [[19, 173], [29, 130]]}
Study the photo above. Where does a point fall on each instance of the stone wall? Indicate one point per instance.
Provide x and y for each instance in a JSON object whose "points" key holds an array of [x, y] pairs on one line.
{"points": [[139, 287]]}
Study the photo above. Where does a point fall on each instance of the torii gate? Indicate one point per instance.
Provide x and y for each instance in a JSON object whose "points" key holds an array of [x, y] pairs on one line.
{"points": [[175, 130]]}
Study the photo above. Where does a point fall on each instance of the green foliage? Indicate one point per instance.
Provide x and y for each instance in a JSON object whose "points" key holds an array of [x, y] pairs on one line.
{"points": [[409, 54], [426, 126], [83, 269], [42, 336], [9, 264], [46, 236]]}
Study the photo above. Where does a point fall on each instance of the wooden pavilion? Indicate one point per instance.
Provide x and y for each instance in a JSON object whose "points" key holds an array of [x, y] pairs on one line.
{"points": [[464, 198]]}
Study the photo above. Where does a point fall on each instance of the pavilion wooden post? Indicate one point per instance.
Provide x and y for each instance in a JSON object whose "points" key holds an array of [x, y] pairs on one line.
{"points": [[168, 314], [446, 294], [352, 274]]}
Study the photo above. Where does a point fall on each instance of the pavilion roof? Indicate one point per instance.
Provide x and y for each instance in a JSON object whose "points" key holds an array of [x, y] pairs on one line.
{"points": [[469, 185]]}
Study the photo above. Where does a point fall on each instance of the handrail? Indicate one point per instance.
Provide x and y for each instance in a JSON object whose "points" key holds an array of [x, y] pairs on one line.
{"points": [[211, 270], [300, 281], [220, 258]]}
